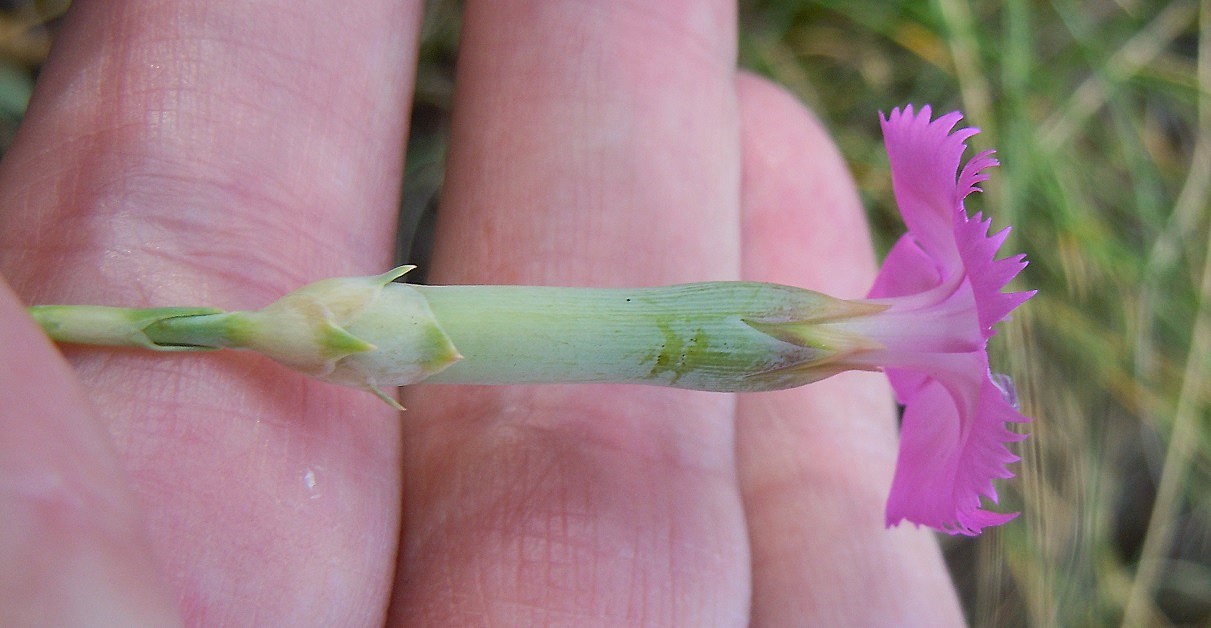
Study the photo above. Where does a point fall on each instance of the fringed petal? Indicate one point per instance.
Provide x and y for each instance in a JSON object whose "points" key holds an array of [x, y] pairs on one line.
{"points": [[924, 157], [954, 435], [987, 274], [953, 445]]}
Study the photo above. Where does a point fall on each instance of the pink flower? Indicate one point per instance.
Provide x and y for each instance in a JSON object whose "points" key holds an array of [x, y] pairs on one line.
{"points": [[942, 283]]}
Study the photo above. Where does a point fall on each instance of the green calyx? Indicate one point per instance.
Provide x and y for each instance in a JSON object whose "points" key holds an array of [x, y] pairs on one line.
{"points": [[719, 336]]}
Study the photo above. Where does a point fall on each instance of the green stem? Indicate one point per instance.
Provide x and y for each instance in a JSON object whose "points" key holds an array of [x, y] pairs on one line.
{"points": [[159, 329], [371, 332]]}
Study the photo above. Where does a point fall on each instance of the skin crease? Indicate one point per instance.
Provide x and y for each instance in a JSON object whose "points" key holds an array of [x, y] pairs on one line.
{"points": [[223, 153]]}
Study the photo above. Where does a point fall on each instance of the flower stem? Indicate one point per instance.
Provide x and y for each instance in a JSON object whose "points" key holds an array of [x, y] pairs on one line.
{"points": [[371, 332], [158, 329]]}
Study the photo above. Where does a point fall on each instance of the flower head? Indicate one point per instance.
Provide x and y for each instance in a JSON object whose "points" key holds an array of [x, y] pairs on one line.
{"points": [[943, 285]]}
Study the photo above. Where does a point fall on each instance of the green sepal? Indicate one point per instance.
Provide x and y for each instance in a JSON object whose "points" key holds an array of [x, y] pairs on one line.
{"points": [[185, 328], [814, 336], [337, 343], [395, 273]]}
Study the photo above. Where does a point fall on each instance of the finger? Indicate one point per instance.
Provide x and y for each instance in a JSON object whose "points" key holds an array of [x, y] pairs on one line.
{"points": [[594, 144], [72, 547], [221, 153], [816, 462]]}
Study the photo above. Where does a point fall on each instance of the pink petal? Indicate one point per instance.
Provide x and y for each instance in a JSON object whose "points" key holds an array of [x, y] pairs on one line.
{"points": [[924, 158], [949, 456], [954, 435], [906, 270], [988, 275]]}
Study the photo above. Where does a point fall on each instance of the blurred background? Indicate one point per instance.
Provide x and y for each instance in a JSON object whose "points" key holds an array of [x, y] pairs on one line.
{"points": [[1100, 112]]}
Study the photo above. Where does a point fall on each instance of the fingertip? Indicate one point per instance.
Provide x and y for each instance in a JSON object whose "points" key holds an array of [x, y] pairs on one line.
{"points": [[73, 549]]}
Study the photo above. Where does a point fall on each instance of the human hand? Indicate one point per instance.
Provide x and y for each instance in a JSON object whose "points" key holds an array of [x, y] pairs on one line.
{"points": [[224, 153]]}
